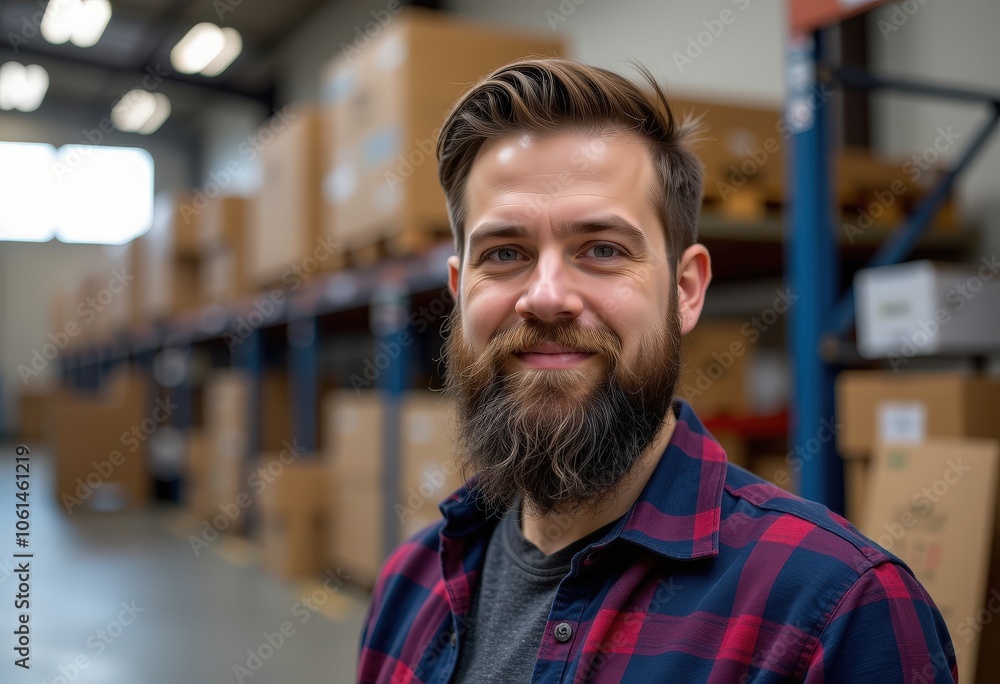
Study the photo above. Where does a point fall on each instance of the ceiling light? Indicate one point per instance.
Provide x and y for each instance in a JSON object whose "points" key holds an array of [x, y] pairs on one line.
{"points": [[197, 48], [206, 49], [80, 21], [140, 111], [230, 51], [91, 20], [22, 87]]}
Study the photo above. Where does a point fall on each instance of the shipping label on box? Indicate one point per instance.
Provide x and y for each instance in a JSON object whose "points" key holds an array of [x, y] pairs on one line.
{"points": [[934, 506]]}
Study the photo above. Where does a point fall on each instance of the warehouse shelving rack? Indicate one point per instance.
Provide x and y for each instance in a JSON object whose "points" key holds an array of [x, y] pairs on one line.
{"points": [[820, 322]]}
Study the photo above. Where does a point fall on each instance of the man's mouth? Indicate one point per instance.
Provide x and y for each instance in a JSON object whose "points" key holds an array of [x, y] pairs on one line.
{"points": [[552, 356]]}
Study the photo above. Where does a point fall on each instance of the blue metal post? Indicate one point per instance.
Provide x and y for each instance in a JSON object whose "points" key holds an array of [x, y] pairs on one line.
{"points": [[303, 359], [812, 267]]}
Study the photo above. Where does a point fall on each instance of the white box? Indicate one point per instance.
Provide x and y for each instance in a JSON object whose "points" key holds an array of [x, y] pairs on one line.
{"points": [[924, 308]]}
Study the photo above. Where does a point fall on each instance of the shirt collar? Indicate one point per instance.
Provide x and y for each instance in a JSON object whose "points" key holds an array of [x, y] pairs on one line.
{"points": [[677, 515]]}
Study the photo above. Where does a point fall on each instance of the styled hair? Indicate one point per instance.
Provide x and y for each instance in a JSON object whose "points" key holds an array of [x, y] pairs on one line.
{"points": [[550, 96]]}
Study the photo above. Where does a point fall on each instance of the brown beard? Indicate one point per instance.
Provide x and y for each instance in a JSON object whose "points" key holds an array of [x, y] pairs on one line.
{"points": [[560, 439]]}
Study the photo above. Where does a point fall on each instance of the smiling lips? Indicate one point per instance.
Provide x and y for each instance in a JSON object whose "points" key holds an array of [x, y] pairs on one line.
{"points": [[552, 356]]}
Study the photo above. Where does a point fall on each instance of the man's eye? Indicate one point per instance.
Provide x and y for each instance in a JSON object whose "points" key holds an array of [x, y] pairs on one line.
{"points": [[605, 251], [504, 254]]}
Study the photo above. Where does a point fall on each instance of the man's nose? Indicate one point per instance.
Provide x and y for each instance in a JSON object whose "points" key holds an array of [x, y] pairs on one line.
{"points": [[551, 293]]}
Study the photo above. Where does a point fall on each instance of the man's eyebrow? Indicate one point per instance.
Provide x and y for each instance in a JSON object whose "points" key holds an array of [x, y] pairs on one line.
{"points": [[612, 223], [505, 229], [495, 229]]}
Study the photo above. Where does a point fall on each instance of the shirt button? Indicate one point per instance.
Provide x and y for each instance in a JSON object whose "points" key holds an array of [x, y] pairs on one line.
{"points": [[563, 632], [453, 638]]}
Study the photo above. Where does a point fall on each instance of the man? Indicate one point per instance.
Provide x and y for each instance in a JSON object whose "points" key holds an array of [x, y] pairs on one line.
{"points": [[604, 537]]}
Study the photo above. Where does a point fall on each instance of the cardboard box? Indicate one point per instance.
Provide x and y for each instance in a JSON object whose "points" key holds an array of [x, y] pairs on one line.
{"points": [[227, 401], [934, 506], [222, 223], [100, 464], [715, 375], [35, 414], [876, 406], [167, 282], [293, 517], [275, 411], [386, 105], [924, 308], [284, 225], [429, 469], [224, 247], [355, 532], [353, 424]]}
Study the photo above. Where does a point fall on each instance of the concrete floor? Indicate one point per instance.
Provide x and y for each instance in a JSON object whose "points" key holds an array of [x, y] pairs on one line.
{"points": [[122, 599]]}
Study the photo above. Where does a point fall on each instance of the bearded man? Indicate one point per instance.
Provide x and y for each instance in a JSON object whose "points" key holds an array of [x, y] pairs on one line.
{"points": [[602, 535]]}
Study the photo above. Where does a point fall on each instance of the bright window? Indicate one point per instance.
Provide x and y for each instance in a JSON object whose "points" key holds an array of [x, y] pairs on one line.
{"points": [[78, 193]]}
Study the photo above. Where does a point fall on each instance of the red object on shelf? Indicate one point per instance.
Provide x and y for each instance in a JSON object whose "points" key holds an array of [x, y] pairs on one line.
{"points": [[748, 427], [807, 16]]}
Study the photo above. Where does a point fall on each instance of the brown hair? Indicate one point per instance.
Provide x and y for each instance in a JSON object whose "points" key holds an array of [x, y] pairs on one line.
{"points": [[552, 95]]}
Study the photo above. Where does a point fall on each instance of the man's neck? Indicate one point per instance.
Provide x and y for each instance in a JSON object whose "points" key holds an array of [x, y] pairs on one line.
{"points": [[556, 531]]}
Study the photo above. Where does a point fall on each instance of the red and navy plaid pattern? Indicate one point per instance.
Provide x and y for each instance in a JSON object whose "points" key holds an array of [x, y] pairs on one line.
{"points": [[714, 575]]}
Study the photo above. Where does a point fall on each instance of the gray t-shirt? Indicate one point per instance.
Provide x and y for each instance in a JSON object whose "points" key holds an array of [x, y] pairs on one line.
{"points": [[511, 606]]}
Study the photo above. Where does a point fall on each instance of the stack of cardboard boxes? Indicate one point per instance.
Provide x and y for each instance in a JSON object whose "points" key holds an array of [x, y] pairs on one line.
{"points": [[354, 457], [921, 463], [100, 442], [385, 105]]}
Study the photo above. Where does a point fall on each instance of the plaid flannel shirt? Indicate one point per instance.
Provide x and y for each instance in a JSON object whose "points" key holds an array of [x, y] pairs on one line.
{"points": [[713, 575]]}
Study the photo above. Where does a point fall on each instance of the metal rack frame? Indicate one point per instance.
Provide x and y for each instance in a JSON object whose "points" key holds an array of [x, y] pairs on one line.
{"points": [[812, 259]]}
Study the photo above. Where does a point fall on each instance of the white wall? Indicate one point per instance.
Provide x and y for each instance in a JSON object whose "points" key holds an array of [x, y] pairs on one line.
{"points": [[953, 43], [744, 62]]}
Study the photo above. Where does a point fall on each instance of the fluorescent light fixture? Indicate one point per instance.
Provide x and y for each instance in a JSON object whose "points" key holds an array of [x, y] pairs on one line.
{"points": [[230, 51], [26, 188], [206, 49], [105, 196], [81, 22], [140, 111], [22, 87], [91, 20]]}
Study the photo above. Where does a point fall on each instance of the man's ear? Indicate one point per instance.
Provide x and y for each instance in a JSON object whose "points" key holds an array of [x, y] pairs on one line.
{"points": [[694, 273], [454, 274]]}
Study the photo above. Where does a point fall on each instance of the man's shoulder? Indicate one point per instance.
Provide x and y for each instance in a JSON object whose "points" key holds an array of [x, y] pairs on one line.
{"points": [[756, 511]]}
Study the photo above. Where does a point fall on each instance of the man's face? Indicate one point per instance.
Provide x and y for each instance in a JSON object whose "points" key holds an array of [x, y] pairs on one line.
{"points": [[564, 346]]}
